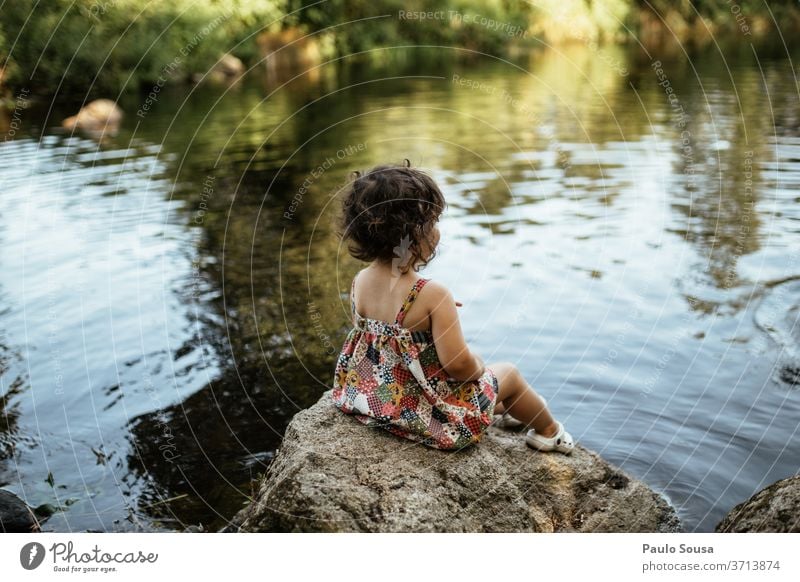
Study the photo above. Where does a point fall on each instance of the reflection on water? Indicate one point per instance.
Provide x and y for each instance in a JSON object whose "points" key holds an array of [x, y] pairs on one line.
{"points": [[169, 298]]}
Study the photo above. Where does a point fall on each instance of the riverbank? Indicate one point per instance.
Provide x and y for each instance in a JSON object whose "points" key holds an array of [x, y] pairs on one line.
{"points": [[49, 50]]}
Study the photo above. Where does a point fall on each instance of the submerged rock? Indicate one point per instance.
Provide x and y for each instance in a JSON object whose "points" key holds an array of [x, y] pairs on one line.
{"points": [[334, 474], [15, 515], [774, 509]]}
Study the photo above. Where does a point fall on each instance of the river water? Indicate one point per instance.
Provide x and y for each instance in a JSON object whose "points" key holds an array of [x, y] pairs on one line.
{"points": [[626, 233]]}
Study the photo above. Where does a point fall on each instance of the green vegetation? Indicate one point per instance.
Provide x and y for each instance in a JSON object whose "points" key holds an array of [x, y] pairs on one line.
{"points": [[110, 46], [479, 25], [114, 45]]}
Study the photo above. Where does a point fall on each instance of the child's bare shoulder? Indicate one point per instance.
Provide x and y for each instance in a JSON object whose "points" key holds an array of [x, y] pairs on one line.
{"points": [[436, 294]]}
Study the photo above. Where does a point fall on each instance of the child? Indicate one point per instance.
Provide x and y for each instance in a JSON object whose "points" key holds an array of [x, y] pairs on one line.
{"points": [[409, 370]]}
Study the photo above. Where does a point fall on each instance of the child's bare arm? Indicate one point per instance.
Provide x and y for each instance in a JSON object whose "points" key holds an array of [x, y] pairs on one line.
{"points": [[451, 347]]}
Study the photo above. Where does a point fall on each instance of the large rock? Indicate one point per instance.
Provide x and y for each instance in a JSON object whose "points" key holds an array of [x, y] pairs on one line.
{"points": [[15, 515], [229, 66], [98, 115], [334, 474], [226, 70], [773, 509]]}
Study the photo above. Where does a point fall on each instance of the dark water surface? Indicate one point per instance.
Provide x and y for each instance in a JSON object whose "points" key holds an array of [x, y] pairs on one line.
{"points": [[171, 297]]}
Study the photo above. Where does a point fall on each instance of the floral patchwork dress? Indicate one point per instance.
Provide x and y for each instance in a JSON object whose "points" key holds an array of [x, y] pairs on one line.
{"points": [[390, 377]]}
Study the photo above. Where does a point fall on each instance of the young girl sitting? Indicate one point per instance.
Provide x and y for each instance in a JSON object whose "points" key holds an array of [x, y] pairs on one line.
{"points": [[405, 365]]}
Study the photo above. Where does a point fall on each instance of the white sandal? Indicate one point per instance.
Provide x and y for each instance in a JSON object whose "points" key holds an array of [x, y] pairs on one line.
{"points": [[505, 420], [561, 442]]}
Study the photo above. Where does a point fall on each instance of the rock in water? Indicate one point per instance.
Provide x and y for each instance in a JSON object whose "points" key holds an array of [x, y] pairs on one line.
{"points": [[333, 474], [774, 509], [15, 515], [229, 66], [99, 115]]}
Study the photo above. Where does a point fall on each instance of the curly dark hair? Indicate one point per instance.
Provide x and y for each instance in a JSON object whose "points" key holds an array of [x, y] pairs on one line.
{"points": [[390, 213]]}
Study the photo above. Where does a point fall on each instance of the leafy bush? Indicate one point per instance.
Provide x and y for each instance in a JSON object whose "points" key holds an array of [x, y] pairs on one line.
{"points": [[112, 45], [486, 25]]}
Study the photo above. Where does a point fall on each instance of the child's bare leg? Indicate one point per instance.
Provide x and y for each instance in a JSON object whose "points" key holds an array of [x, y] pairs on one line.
{"points": [[521, 400]]}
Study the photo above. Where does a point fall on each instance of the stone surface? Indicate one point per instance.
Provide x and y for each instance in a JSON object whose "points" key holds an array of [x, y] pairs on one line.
{"points": [[98, 115], [334, 474], [229, 66], [15, 515], [773, 509]]}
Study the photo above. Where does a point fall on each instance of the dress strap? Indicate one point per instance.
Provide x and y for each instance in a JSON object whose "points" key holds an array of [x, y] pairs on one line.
{"points": [[353, 296], [420, 283]]}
